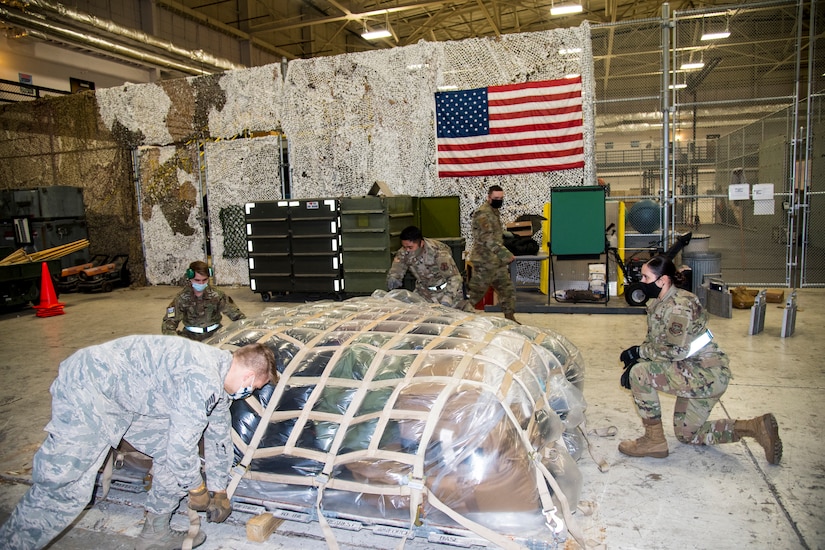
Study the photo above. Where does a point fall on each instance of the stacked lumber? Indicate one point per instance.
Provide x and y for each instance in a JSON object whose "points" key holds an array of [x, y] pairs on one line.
{"points": [[20, 256]]}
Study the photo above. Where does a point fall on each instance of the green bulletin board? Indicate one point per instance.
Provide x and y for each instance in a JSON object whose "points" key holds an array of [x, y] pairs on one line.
{"points": [[577, 221]]}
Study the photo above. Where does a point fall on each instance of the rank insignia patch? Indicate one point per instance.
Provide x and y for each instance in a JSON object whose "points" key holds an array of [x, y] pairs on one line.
{"points": [[210, 403]]}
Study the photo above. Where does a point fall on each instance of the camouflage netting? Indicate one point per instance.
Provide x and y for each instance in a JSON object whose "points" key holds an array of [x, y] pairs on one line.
{"points": [[350, 120], [394, 411], [355, 119], [238, 172], [171, 211], [63, 141], [183, 156]]}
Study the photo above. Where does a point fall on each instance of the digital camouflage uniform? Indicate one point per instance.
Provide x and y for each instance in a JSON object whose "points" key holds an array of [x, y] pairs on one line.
{"points": [[200, 312], [437, 278], [157, 392], [490, 259], [698, 381]]}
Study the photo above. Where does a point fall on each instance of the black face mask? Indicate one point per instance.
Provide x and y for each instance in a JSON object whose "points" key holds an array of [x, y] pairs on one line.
{"points": [[496, 203], [651, 290]]}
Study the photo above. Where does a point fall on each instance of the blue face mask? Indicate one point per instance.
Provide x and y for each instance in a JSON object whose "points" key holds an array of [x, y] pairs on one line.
{"points": [[200, 287], [242, 393]]}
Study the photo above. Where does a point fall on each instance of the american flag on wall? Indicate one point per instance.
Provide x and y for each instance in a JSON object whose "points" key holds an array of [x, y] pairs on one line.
{"points": [[510, 129]]}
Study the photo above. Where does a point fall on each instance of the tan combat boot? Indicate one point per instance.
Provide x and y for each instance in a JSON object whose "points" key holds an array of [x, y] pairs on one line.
{"points": [[511, 317], [765, 430], [157, 534], [652, 444]]}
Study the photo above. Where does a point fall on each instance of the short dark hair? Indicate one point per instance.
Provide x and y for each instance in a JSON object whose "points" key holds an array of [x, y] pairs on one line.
{"points": [[494, 188], [411, 233]]}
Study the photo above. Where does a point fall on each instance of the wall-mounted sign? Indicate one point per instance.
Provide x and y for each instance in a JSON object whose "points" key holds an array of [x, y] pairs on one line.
{"points": [[24, 78], [739, 191]]}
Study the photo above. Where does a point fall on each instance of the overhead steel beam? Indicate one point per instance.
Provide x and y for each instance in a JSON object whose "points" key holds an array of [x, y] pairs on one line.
{"points": [[350, 16]]}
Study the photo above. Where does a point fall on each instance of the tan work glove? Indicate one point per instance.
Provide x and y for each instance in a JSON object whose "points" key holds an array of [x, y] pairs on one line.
{"points": [[219, 508], [199, 498]]}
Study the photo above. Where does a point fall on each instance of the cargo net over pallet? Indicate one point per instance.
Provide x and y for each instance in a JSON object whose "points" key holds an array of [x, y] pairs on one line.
{"points": [[399, 414]]}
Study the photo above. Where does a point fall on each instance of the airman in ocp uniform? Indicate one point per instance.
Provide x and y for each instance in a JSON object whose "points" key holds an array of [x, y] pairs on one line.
{"points": [[679, 357], [489, 257], [437, 279], [199, 306]]}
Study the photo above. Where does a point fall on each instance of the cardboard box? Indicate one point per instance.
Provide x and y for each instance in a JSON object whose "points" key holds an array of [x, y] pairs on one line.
{"points": [[597, 276], [773, 296], [522, 229]]}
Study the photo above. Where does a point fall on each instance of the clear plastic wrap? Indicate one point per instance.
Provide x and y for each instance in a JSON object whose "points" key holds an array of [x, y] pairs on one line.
{"points": [[398, 410]]}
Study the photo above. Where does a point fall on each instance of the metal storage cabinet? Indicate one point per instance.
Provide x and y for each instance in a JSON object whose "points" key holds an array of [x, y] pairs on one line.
{"points": [[314, 227], [268, 247], [55, 216], [370, 234], [294, 246]]}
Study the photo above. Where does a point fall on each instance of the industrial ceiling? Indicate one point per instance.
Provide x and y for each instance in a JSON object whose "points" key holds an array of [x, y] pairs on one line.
{"points": [[309, 28], [186, 37]]}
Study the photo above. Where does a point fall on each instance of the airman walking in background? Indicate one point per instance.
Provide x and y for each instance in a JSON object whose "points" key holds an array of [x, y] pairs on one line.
{"points": [[489, 257]]}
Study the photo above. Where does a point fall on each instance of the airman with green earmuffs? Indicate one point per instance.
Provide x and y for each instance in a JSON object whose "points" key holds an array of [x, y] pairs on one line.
{"points": [[199, 306]]}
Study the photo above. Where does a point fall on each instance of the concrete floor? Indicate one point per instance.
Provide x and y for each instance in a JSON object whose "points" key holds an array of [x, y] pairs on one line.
{"points": [[722, 497]]}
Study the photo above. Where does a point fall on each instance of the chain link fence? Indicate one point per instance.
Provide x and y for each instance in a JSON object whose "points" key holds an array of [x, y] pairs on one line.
{"points": [[709, 129], [812, 253]]}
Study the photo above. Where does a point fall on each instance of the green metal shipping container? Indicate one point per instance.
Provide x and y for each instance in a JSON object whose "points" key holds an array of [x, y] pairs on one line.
{"points": [[370, 234], [439, 217], [267, 211]]}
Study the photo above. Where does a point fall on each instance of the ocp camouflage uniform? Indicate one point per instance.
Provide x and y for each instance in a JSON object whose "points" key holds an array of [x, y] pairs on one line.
{"points": [[202, 312], [437, 279], [490, 259], [157, 392], [698, 381]]}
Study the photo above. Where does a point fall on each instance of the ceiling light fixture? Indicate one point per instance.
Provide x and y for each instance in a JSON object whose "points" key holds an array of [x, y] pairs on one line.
{"points": [[692, 66], [677, 86], [376, 34], [565, 9], [716, 34]]}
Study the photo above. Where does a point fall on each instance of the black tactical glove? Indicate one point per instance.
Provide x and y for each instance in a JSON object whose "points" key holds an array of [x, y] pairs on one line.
{"points": [[625, 379], [630, 356]]}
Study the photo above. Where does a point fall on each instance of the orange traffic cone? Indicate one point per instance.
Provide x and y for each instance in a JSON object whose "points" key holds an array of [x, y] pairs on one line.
{"points": [[49, 306]]}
